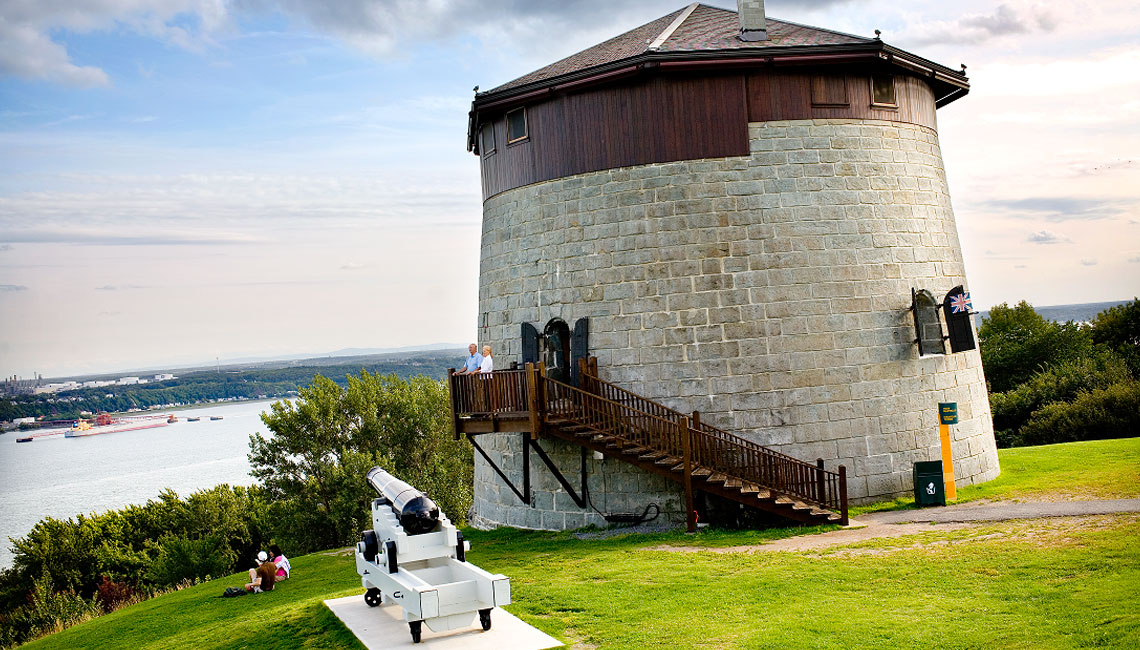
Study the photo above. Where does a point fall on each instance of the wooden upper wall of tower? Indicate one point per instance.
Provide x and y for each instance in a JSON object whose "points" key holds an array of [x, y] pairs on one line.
{"points": [[685, 87]]}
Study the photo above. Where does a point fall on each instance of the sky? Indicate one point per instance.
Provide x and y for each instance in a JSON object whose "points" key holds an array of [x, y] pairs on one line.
{"points": [[190, 180]]}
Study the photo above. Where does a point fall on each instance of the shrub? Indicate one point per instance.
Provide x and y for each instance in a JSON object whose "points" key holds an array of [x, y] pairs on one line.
{"points": [[1016, 343], [181, 559], [47, 611], [1112, 412], [112, 595], [1059, 383], [1119, 329]]}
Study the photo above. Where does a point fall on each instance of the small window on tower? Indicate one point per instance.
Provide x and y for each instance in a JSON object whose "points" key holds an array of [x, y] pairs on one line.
{"points": [[883, 90], [516, 125], [487, 145]]}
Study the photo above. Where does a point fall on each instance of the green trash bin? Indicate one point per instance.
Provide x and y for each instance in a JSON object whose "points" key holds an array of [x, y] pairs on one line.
{"points": [[929, 485]]}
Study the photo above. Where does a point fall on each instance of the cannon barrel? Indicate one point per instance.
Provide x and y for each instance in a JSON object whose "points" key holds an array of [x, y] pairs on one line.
{"points": [[417, 513]]}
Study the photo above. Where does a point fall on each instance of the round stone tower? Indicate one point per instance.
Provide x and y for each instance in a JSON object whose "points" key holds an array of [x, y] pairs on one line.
{"points": [[734, 220]]}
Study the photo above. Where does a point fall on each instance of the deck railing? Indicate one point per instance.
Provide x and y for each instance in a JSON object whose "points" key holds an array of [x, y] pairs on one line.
{"points": [[489, 393], [634, 420]]}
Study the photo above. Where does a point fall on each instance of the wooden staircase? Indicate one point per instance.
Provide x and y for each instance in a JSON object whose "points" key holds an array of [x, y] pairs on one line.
{"points": [[605, 418]]}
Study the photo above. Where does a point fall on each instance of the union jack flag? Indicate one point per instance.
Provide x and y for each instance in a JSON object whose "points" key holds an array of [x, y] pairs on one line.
{"points": [[960, 303]]}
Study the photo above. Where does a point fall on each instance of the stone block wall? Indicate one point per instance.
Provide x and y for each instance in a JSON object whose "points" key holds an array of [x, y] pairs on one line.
{"points": [[771, 292]]}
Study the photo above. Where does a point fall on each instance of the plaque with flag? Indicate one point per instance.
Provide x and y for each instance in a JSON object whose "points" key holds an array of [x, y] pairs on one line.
{"points": [[961, 303]]}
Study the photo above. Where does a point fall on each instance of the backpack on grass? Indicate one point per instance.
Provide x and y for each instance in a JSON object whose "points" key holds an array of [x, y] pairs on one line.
{"points": [[232, 592]]}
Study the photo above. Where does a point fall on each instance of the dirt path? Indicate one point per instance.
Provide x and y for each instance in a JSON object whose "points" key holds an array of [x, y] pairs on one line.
{"points": [[909, 522]]}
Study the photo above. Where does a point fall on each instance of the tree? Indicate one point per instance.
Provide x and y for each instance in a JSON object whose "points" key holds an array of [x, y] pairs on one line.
{"points": [[325, 442], [1016, 343], [1119, 328]]}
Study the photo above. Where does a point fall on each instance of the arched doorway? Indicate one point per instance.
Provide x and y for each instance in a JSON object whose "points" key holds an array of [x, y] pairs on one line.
{"points": [[556, 350]]}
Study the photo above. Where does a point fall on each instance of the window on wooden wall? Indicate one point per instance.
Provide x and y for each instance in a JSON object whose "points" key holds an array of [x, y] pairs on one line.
{"points": [[487, 139], [883, 90], [516, 125], [829, 90]]}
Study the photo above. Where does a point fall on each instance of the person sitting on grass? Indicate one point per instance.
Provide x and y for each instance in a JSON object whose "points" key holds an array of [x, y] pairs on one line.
{"points": [[262, 578], [282, 562]]}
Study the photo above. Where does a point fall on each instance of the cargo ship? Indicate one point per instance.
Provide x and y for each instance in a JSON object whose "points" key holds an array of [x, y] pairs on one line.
{"points": [[85, 428]]}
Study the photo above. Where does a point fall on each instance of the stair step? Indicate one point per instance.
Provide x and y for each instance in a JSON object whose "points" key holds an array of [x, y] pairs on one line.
{"points": [[679, 467], [634, 450], [667, 461], [701, 472], [717, 477], [834, 517], [652, 455], [748, 487], [734, 483], [784, 501]]}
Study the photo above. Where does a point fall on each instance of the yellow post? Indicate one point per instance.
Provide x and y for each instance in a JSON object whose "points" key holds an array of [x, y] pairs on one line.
{"points": [[947, 415]]}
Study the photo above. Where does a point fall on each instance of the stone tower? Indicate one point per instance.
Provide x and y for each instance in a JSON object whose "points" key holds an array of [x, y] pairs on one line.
{"points": [[738, 215]]}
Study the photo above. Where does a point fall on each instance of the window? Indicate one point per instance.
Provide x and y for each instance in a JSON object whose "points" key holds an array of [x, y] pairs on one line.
{"points": [[829, 90], [516, 125], [883, 90], [927, 326], [487, 139]]}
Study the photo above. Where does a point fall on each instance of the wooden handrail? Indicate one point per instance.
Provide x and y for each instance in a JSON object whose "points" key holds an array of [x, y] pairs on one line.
{"points": [[488, 393], [635, 421], [714, 448]]}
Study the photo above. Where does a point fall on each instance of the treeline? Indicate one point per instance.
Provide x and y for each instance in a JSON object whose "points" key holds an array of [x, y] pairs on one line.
{"points": [[1060, 382], [205, 386], [312, 496]]}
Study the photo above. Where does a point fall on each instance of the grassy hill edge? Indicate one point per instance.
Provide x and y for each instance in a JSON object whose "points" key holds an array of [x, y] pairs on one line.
{"points": [[1019, 584]]}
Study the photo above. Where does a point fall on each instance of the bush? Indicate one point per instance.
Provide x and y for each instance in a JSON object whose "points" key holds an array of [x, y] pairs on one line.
{"points": [[46, 612], [1112, 412], [1059, 383], [112, 595], [1118, 328], [1017, 343], [180, 559]]}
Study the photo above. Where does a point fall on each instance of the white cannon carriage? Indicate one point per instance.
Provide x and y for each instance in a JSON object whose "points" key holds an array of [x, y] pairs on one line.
{"points": [[415, 557]]}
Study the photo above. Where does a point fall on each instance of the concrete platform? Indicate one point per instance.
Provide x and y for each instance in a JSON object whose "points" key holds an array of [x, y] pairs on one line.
{"points": [[384, 628]]}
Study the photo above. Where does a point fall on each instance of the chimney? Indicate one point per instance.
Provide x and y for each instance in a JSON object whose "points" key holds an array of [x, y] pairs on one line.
{"points": [[753, 24]]}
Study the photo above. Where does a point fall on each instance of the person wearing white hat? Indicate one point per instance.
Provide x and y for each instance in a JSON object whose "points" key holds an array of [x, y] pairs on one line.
{"points": [[262, 578]]}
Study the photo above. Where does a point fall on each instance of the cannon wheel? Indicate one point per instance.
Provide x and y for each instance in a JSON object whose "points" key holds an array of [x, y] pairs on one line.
{"points": [[485, 619], [390, 553], [417, 630], [373, 597], [371, 545]]}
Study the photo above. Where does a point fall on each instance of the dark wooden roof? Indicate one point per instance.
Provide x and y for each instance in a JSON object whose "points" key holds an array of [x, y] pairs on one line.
{"points": [[702, 33]]}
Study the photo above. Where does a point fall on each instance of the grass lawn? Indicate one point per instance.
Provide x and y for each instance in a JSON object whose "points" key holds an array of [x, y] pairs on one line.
{"points": [[1073, 471], [1060, 583]]}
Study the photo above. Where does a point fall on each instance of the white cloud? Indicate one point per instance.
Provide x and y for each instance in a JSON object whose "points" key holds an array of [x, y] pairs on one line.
{"points": [[1088, 262], [1006, 19], [29, 51], [1047, 237]]}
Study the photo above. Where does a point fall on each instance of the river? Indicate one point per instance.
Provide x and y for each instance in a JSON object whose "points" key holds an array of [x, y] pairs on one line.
{"points": [[62, 477]]}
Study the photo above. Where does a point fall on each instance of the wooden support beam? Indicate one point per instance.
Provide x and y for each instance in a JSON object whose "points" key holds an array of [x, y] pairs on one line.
{"points": [[820, 495], [533, 399], [843, 495], [686, 446], [452, 394]]}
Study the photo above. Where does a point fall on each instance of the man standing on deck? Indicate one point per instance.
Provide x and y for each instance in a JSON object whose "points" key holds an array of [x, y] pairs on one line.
{"points": [[474, 360]]}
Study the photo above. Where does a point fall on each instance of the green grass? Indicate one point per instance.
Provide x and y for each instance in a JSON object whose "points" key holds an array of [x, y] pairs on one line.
{"points": [[291, 616], [1097, 469], [1063, 583]]}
